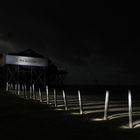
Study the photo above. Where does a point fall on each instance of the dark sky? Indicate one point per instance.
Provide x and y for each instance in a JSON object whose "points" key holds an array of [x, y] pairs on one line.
{"points": [[96, 42]]}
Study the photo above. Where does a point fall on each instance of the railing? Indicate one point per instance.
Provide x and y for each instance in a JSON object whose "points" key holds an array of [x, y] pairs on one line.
{"points": [[78, 104]]}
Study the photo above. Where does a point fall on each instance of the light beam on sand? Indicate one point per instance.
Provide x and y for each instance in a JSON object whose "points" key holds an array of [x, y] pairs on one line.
{"points": [[58, 109], [98, 119], [136, 124], [76, 113]]}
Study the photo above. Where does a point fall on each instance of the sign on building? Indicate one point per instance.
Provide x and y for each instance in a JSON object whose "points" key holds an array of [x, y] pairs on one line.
{"points": [[26, 61]]}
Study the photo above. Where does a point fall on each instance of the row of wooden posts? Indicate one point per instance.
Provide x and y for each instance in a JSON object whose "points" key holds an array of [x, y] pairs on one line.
{"points": [[106, 105]]}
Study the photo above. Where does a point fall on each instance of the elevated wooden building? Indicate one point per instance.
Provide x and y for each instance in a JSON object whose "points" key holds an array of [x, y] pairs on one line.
{"points": [[29, 67]]}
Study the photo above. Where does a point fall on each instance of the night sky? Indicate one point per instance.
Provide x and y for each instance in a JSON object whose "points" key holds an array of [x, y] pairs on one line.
{"points": [[98, 43]]}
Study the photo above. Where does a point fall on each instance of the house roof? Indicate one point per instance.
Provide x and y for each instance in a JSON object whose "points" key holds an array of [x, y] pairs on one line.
{"points": [[28, 52]]}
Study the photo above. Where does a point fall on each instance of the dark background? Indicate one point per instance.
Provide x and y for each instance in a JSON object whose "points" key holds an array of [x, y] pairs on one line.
{"points": [[97, 42]]}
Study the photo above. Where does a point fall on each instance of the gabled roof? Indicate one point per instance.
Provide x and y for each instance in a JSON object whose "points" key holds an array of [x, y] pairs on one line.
{"points": [[28, 52]]}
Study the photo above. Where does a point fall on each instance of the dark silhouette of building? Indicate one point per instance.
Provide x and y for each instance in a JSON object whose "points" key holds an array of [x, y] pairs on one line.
{"points": [[29, 67]]}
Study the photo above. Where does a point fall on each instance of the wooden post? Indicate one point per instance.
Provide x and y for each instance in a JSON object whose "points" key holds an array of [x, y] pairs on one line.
{"points": [[130, 109], [40, 96], [80, 102], [106, 105], [25, 90], [65, 101], [15, 88], [12, 88], [18, 89], [55, 102], [47, 94], [30, 92], [7, 86], [33, 87], [22, 88]]}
